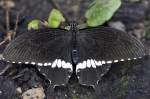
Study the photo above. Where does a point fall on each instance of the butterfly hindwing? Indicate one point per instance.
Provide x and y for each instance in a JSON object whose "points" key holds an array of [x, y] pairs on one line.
{"points": [[102, 46], [57, 76], [91, 76]]}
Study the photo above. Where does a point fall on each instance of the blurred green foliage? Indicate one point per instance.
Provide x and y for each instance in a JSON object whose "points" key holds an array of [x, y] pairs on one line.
{"points": [[55, 18], [98, 13], [34, 24], [101, 11]]}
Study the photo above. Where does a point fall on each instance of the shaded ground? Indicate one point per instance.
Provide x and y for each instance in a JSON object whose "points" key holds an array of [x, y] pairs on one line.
{"points": [[124, 80]]}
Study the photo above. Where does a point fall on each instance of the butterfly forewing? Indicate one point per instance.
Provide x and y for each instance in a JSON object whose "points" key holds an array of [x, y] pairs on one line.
{"points": [[47, 48], [100, 46], [41, 46], [108, 44]]}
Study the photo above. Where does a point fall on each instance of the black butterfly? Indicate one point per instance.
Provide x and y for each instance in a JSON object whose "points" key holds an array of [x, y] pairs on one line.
{"points": [[87, 52]]}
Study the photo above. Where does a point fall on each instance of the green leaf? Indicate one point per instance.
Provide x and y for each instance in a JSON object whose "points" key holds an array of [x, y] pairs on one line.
{"points": [[55, 18], [34, 24], [101, 11]]}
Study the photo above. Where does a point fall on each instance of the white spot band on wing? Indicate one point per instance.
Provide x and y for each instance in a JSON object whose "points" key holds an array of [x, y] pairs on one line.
{"points": [[93, 63]]}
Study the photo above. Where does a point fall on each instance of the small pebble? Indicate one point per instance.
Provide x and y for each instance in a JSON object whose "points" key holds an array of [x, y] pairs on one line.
{"points": [[118, 25], [34, 93], [19, 90], [0, 92]]}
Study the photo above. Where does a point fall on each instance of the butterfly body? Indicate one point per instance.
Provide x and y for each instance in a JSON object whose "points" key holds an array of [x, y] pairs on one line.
{"points": [[86, 52], [74, 49]]}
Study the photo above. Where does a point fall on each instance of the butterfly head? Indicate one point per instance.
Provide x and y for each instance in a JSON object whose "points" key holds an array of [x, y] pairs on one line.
{"points": [[73, 26]]}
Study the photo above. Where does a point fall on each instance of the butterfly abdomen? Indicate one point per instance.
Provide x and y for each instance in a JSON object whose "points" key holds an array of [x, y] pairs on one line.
{"points": [[75, 56]]}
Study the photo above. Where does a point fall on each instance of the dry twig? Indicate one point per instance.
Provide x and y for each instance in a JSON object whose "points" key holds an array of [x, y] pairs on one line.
{"points": [[10, 34]]}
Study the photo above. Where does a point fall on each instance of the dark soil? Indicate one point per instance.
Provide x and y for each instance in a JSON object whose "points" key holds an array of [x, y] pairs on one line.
{"points": [[124, 80]]}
